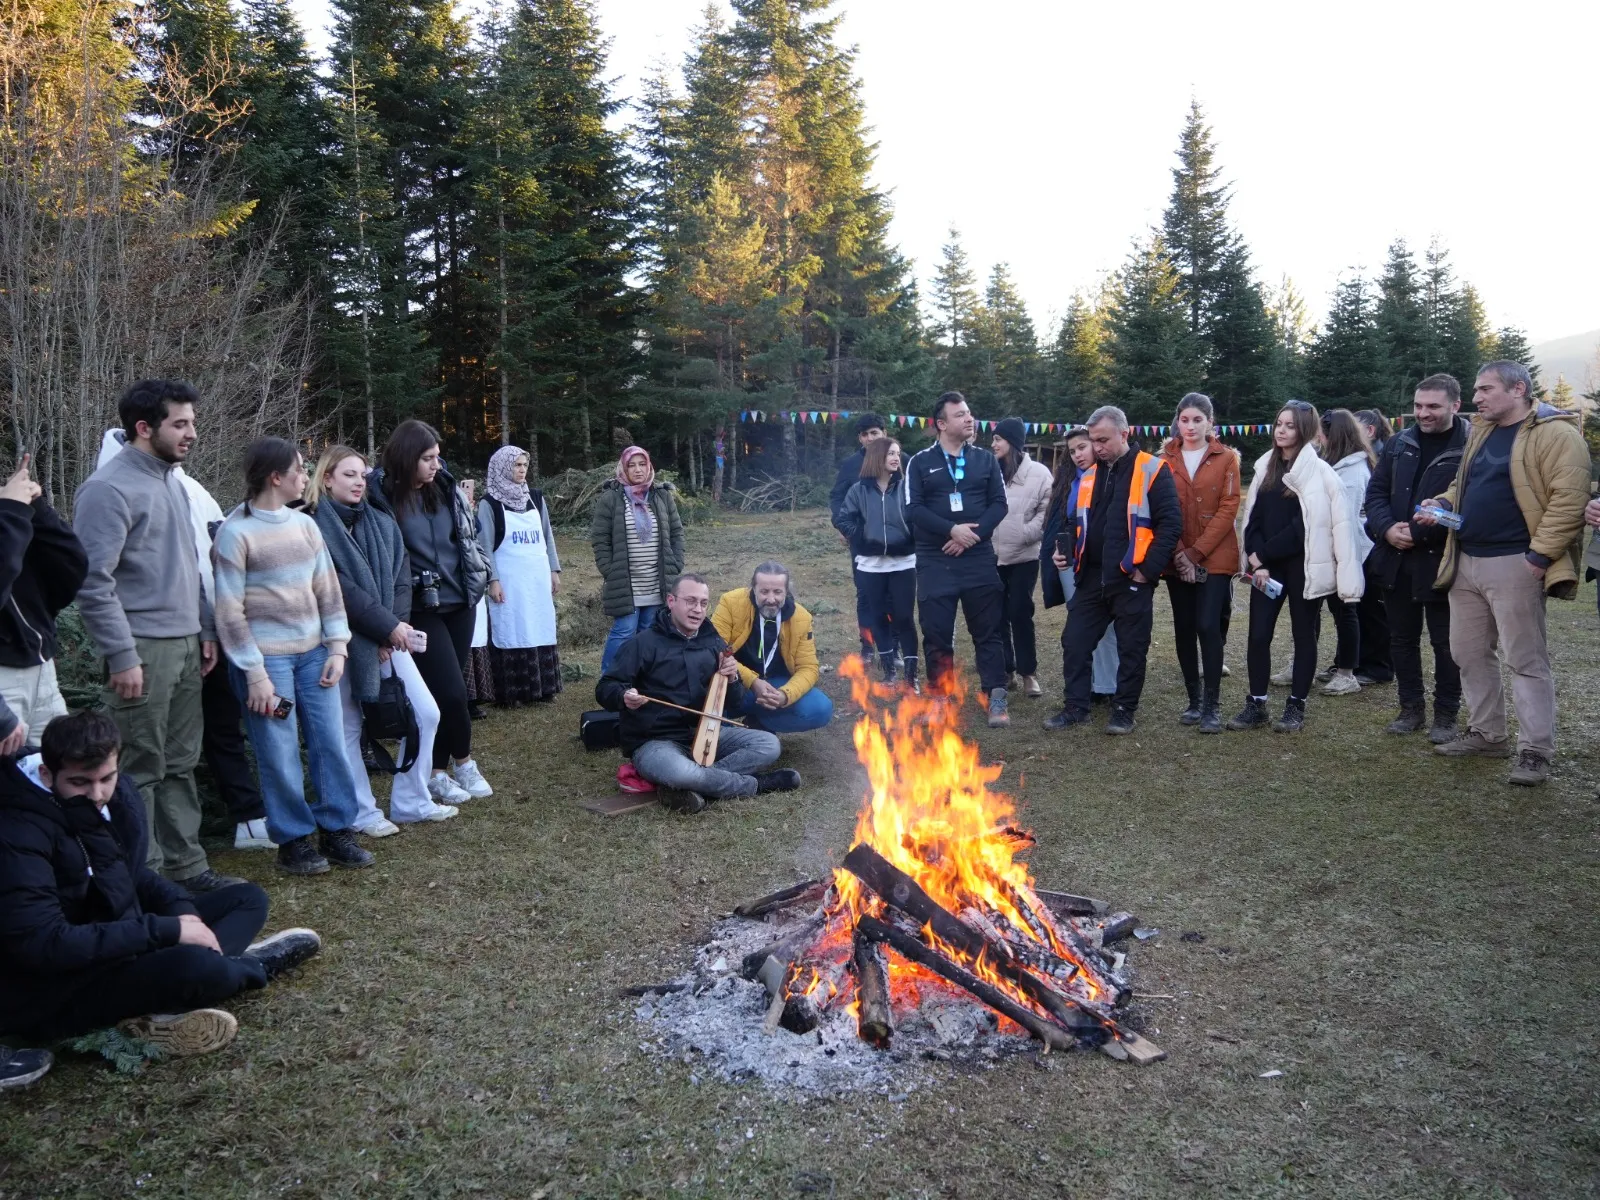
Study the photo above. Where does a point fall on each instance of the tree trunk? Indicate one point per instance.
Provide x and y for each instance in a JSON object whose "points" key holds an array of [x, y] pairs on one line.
{"points": [[719, 445]]}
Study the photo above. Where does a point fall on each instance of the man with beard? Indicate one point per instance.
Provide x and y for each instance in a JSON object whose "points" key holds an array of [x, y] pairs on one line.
{"points": [[772, 641], [144, 606]]}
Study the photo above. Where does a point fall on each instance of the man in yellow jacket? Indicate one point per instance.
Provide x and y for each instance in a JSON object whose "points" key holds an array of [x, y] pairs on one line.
{"points": [[772, 642]]}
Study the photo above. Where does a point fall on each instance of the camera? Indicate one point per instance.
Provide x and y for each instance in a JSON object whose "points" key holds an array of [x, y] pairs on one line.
{"points": [[425, 584]]}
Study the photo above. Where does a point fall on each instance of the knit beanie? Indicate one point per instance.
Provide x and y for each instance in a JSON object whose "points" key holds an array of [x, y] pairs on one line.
{"points": [[1014, 432]]}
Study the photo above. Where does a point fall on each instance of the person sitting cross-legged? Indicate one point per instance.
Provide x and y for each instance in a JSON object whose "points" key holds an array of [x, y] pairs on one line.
{"points": [[674, 660], [89, 935], [771, 639]]}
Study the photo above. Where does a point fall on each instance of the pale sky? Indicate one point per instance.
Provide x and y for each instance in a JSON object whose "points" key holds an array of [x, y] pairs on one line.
{"points": [[1045, 132]]}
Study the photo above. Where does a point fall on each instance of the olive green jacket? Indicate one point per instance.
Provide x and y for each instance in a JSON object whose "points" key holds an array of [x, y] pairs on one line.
{"points": [[608, 534]]}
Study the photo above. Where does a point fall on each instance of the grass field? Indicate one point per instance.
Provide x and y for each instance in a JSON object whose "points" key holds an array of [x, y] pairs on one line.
{"points": [[1410, 941]]}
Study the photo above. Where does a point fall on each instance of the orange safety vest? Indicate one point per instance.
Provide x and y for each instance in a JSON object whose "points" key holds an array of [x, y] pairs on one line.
{"points": [[1141, 531]]}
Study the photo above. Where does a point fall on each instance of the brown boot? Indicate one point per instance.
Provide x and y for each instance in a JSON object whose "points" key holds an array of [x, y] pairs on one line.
{"points": [[1473, 744], [1531, 770]]}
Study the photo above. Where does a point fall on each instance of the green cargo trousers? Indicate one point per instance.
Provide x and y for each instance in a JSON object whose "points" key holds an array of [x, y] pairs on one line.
{"points": [[160, 746]]}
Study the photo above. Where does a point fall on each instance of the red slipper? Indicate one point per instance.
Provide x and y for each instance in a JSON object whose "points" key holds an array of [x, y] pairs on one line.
{"points": [[630, 780]]}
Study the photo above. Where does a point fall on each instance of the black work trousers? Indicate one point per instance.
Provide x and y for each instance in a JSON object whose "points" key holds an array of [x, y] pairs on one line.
{"points": [[441, 666], [1094, 607], [174, 980], [223, 744], [863, 609], [1347, 625], [1407, 616], [1304, 623], [888, 600], [1022, 652], [1199, 623], [1376, 663], [984, 608]]}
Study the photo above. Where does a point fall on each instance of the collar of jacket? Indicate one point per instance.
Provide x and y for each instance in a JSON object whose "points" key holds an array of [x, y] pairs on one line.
{"points": [[665, 624], [1537, 415], [146, 462]]}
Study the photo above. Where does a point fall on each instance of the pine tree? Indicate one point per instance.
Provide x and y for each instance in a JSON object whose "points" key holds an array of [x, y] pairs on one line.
{"points": [[1403, 327], [1007, 347], [1510, 344], [1242, 366], [1454, 317], [1564, 396], [1080, 368], [1197, 235], [1291, 336], [1347, 366], [1154, 356]]}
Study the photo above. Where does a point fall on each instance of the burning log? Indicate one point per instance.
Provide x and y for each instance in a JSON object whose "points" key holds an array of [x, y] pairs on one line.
{"points": [[787, 948], [1065, 904], [875, 1018], [800, 893], [1048, 1032]]}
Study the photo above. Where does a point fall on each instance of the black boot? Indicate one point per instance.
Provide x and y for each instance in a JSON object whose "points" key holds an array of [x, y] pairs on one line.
{"points": [[1191, 715], [1412, 718], [1293, 719], [1252, 716], [1444, 725], [1211, 712], [299, 856], [341, 849], [1066, 719], [784, 779], [1121, 722]]}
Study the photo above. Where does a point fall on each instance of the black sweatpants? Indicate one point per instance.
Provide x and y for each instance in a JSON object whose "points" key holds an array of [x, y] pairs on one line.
{"points": [[441, 666], [174, 980], [1094, 607], [1016, 636], [222, 742], [1199, 622], [1304, 623], [984, 607], [1376, 662], [889, 601], [1347, 625], [863, 610], [1407, 616]]}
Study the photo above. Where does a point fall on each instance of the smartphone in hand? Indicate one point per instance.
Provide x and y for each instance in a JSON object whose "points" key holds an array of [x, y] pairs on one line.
{"points": [[285, 707]]}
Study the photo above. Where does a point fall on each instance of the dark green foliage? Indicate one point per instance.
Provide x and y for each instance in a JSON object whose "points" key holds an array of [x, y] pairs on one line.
{"points": [[1512, 345], [1154, 356], [128, 1055], [1347, 366]]}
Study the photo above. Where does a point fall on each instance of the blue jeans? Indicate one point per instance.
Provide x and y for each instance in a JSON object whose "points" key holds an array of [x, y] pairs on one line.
{"points": [[812, 711], [623, 629], [1103, 679], [740, 754], [318, 716]]}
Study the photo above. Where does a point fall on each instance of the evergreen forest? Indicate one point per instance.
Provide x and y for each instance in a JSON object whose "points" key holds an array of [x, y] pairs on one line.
{"points": [[460, 220]]}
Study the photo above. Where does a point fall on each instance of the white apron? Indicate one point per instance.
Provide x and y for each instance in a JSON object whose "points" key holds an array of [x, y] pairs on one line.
{"points": [[528, 617], [480, 624]]}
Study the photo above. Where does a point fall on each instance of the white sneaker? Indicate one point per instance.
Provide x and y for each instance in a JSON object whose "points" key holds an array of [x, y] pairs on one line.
{"points": [[382, 827], [1341, 684], [467, 775], [252, 835], [434, 812], [444, 791], [1285, 677]]}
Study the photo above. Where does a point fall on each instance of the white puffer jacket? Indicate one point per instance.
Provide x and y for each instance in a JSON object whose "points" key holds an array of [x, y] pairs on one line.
{"points": [[1355, 471], [1017, 538], [1332, 564]]}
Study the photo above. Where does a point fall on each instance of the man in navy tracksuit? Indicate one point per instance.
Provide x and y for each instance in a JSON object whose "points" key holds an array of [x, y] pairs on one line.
{"points": [[955, 498]]}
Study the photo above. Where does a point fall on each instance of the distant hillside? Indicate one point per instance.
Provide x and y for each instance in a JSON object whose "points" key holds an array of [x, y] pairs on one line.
{"points": [[1572, 356]]}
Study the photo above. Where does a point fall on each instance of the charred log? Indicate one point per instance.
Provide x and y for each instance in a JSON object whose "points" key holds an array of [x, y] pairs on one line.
{"points": [[1117, 927], [801, 893], [1065, 904], [787, 948], [875, 1018]]}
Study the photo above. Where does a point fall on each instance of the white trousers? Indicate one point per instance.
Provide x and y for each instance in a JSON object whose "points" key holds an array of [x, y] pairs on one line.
{"points": [[33, 694], [408, 798]]}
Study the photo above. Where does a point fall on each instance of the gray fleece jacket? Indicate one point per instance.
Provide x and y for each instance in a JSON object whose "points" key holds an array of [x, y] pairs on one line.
{"points": [[132, 516]]}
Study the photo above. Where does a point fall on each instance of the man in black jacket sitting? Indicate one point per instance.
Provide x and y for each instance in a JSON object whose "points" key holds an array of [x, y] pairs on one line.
{"points": [[1418, 463], [90, 936], [675, 660]]}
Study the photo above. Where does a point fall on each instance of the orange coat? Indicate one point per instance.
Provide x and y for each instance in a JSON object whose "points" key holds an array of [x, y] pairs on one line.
{"points": [[1210, 503]]}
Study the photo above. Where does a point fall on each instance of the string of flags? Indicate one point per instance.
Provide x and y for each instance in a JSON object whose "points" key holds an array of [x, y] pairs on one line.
{"points": [[911, 421]]}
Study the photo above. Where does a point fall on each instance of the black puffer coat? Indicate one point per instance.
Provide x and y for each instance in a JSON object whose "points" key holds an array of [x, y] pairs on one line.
{"points": [[661, 662], [1392, 495], [875, 520]]}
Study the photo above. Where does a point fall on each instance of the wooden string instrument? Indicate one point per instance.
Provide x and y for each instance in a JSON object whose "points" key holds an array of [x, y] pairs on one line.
{"points": [[710, 730]]}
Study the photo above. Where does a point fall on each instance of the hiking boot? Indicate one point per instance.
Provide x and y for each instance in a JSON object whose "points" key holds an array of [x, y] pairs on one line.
{"points": [[682, 800], [1284, 677], [299, 856], [1531, 769], [1191, 715], [1066, 719], [784, 779], [284, 951], [999, 718], [1412, 718], [1121, 722], [19, 1068], [1211, 712], [469, 779], [183, 1035], [342, 849], [1444, 727], [1293, 719], [1031, 688], [207, 881], [253, 835], [1252, 716], [1473, 744], [1341, 683]]}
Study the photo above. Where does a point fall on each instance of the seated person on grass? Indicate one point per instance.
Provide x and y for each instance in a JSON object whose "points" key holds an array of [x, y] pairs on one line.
{"points": [[674, 659], [770, 636], [91, 937]]}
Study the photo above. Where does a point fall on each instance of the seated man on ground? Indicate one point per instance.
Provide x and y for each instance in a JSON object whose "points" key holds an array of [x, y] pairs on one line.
{"points": [[770, 636], [674, 660], [90, 936]]}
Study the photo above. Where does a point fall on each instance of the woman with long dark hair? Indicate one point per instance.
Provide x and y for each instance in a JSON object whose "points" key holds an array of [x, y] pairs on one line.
{"points": [[637, 537], [873, 517], [369, 553], [1017, 540], [1345, 449], [280, 619], [514, 530], [449, 575], [1200, 580], [1299, 546]]}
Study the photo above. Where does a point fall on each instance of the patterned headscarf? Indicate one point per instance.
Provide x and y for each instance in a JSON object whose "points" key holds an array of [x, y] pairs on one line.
{"points": [[499, 483], [638, 495]]}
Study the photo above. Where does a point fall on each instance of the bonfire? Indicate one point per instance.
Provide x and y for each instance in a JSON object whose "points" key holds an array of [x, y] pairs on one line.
{"points": [[933, 900]]}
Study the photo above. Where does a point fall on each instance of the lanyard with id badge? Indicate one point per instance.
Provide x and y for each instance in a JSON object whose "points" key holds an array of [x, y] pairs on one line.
{"points": [[958, 471]]}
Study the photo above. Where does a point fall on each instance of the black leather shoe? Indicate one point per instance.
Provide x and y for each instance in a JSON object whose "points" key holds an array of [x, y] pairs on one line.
{"points": [[1412, 718], [284, 951], [208, 881], [1121, 722], [1066, 719], [682, 800], [1444, 727], [784, 779], [299, 857], [343, 850]]}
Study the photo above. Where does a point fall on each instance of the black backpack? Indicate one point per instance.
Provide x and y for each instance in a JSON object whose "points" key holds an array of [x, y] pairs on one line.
{"points": [[390, 718]]}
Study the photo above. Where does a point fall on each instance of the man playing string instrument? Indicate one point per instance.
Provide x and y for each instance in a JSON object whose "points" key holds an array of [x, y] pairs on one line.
{"points": [[674, 660]]}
